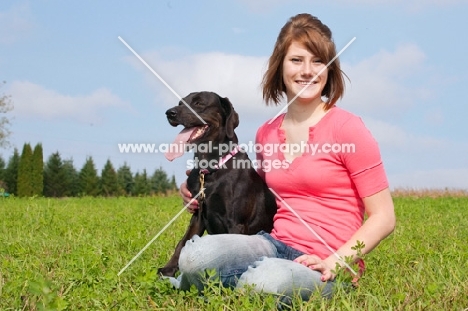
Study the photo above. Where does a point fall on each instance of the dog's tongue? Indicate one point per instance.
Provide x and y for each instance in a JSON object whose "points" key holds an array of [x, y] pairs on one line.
{"points": [[176, 149]]}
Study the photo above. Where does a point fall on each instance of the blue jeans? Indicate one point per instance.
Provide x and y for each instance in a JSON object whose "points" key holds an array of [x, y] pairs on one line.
{"points": [[259, 261]]}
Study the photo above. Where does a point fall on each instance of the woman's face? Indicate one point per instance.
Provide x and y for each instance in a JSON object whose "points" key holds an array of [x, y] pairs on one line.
{"points": [[303, 73]]}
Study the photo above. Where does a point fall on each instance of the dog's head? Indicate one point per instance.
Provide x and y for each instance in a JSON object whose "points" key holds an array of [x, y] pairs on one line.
{"points": [[205, 117]]}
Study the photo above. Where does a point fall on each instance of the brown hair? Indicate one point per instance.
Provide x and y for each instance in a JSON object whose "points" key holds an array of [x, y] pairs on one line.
{"points": [[309, 31]]}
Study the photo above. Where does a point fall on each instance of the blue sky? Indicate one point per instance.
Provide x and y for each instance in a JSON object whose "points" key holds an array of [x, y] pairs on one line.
{"points": [[78, 90]]}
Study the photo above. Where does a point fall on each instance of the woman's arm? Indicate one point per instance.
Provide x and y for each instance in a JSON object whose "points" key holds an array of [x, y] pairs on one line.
{"points": [[187, 196], [379, 224]]}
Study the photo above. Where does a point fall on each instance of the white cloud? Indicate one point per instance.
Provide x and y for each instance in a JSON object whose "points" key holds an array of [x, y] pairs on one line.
{"points": [[16, 22], [234, 76], [394, 137], [33, 100], [420, 161], [379, 84], [380, 90]]}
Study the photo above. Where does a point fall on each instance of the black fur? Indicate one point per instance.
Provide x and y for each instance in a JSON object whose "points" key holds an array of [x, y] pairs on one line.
{"points": [[237, 200]]}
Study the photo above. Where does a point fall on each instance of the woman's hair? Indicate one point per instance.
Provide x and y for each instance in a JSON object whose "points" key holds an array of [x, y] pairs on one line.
{"points": [[308, 31]]}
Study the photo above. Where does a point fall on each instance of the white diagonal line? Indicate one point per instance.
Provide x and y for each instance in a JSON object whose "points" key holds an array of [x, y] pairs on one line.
{"points": [[314, 233], [313, 79], [160, 79], [160, 232]]}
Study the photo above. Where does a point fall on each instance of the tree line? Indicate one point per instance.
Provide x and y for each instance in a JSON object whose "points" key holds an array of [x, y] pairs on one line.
{"points": [[27, 175]]}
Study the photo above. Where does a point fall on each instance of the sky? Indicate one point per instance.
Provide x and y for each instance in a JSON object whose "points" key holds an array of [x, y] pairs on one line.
{"points": [[79, 90]]}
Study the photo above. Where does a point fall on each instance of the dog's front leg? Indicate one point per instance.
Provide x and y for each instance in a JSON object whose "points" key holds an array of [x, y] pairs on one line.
{"points": [[195, 227]]}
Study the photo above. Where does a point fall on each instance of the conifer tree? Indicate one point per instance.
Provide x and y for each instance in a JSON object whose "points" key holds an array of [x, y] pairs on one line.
{"points": [[142, 185], [71, 179], [2, 174], [37, 174], [11, 173], [159, 182], [109, 180], [125, 178], [24, 172], [173, 184], [89, 179], [54, 185], [2, 167]]}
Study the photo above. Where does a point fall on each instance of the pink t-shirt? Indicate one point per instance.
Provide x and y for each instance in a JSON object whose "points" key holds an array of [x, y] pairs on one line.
{"points": [[325, 185]]}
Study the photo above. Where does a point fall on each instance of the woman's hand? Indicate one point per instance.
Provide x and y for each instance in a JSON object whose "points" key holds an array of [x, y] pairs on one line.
{"points": [[379, 224], [187, 197], [315, 263]]}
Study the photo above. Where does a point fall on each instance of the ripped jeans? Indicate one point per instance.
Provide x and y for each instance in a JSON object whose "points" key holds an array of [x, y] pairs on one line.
{"points": [[259, 261]]}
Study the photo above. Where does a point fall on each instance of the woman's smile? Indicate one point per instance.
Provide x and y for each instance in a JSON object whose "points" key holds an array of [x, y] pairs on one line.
{"points": [[304, 74]]}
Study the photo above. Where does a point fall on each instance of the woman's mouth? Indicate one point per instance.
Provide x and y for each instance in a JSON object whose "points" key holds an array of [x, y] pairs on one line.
{"points": [[306, 82]]}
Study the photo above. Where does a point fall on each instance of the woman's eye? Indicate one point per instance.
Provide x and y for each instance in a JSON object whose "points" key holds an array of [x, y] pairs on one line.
{"points": [[318, 61], [296, 60]]}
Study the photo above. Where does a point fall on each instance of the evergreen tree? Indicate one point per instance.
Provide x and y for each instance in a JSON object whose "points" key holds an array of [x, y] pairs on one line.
{"points": [[11, 173], [71, 179], [37, 174], [54, 176], [159, 182], [24, 172], [89, 180], [173, 184], [125, 177], [2, 173], [142, 185], [109, 181]]}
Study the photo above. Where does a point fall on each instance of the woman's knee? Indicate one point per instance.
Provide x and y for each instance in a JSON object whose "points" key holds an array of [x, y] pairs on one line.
{"points": [[281, 276], [200, 253], [193, 255], [222, 250]]}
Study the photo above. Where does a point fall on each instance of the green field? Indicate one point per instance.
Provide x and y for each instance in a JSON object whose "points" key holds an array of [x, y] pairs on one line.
{"points": [[65, 254]]}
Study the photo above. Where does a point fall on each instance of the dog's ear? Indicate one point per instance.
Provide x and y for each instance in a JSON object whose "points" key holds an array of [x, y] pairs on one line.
{"points": [[232, 119]]}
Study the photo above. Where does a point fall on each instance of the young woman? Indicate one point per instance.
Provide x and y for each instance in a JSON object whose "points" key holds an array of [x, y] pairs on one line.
{"points": [[324, 190]]}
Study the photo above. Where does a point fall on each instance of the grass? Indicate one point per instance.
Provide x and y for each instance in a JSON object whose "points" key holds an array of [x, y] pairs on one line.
{"points": [[64, 254]]}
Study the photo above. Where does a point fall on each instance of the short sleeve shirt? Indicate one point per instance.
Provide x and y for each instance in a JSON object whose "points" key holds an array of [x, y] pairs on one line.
{"points": [[340, 165]]}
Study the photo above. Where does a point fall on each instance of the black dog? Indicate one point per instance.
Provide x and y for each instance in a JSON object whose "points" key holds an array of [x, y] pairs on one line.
{"points": [[234, 200]]}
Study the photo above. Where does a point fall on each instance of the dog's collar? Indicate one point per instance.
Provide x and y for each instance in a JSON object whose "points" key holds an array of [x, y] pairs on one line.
{"points": [[221, 161]]}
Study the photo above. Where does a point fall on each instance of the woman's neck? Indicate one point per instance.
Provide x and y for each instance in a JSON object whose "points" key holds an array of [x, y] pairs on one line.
{"points": [[311, 112]]}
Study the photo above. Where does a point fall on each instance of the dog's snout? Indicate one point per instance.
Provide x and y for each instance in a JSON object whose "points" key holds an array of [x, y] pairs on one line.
{"points": [[171, 113]]}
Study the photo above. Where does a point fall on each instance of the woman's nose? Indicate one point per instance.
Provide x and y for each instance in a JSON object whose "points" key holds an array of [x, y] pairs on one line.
{"points": [[307, 69]]}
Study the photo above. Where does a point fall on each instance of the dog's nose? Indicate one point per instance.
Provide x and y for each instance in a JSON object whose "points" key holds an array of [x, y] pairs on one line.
{"points": [[171, 113]]}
